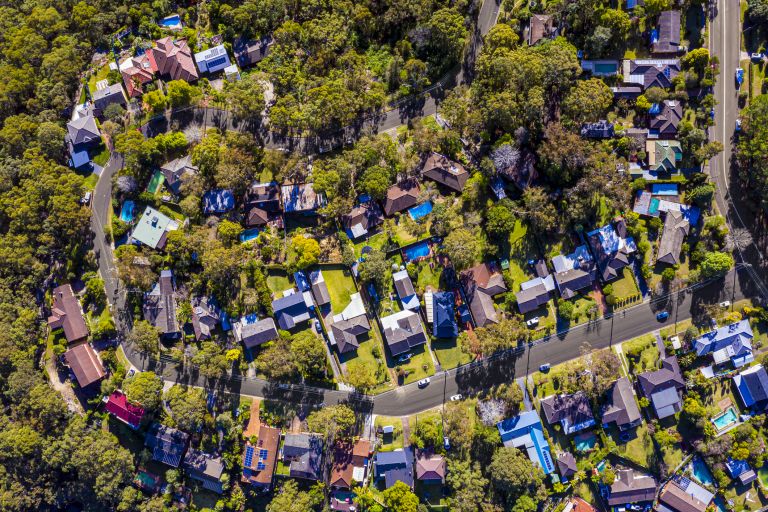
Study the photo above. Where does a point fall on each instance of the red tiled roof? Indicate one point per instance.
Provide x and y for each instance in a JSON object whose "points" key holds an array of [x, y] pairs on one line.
{"points": [[85, 364], [118, 406], [172, 58]]}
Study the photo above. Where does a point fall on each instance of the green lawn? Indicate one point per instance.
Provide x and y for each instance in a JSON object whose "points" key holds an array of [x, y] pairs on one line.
{"points": [[745, 497], [626, 286], [428, 276], [522, 249], [101, 74], [340, 287], [546, 384], [672, 456], [278, 281], [547, 318], [102, 156], [449, 353], [586, 491], [581, 308], [642, 353], [365, 355], [376, 241], [390, 442], [639, 449], [416, 365]]}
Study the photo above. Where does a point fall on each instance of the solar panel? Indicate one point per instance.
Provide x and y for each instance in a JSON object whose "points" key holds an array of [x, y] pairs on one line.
{"points": [[260, 466], [248, 456], [263, 454]]}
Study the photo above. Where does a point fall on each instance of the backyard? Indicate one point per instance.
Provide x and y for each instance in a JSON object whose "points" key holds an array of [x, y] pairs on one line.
{"points": [[638, 449], [428, 274], [340, 287], [277, 281], [521, 250], [390, 442]]}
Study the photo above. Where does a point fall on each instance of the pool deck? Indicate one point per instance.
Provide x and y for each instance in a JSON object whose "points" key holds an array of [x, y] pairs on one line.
{"points": [[728, 405]]}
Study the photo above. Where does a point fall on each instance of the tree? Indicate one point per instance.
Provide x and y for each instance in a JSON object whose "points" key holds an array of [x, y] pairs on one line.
{"points": [[716, 264], [211, 360], [400, 498], [427, 433], [738, 239], [155, 101], [145, 389], [565, 309], [539, 210], [228, 232], [275, 361], [246, 97], [375, 181], [758, 10], [207, 153], [501, 36], [514, 475], [702, 195], [463, 248], [188, 407], [145, 336], [374, 268], [655, 7], [181, 93], [94, 293], [332, 420], [499, 220], [589, 100], [307, 251], [360, 376], [308, 354], [290, 499]]}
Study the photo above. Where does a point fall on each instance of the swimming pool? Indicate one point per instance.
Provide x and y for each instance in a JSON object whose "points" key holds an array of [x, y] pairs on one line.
{"points": [[585, 442], [155, 182], [249, 234], [126, 212], [725, 420], [664, 189], [416, 252], [420, 211], [653, 207], [701, 471], [171, 21]]}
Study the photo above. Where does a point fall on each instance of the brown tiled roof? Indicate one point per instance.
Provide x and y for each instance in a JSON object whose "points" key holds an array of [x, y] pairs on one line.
{"points": [[445, 171], [85, 364], [430, 467], [401, 196], [541, 26], [269, 439], [172, 58], [677, 499], [67, 314]]}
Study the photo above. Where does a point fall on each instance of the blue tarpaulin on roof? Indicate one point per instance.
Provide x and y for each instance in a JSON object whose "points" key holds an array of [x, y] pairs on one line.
{"points": [[218, 201]]}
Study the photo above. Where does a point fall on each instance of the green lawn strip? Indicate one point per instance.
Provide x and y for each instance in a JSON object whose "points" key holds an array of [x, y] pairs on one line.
{"points": [[449, 353], [340, 287], [102, 157], [673, 329], [278, 281], [639, 449], [642, 353], [390, 442], [522, 249], [586, 491]]}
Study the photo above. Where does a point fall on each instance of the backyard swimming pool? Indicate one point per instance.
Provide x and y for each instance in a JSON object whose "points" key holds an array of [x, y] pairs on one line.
{"points": [[725, 420], [155, 182], [171, 21], [701, 471], [585, 442], [420, 211], [126, 212], [249, 234], [416, 252]]}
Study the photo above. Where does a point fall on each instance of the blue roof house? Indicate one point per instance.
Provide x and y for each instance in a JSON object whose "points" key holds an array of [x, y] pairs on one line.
{"points": [[728, 343], [444, 316], [740, 469], [167, 444], [218, 201], [391, 467], [290, 310], [526, 432], [752, 385]]}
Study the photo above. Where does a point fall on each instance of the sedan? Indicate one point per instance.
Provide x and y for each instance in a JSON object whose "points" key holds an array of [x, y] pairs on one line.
{"points": [[662, 316], [739, 77], [725, 304], [423, 383], [533, 322], [738, 125], [456, 398]]}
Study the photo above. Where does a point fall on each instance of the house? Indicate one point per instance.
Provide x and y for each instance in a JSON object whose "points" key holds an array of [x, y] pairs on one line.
{"points": [[676, 227], [213, 59], [526, 432], [206, 469], [232, 73], [118, 405], [262, 204], [631, 486], [662, 387], [218, 201], [566, 465], [349, 325], [612, 249], [576, 504], [752, 385], [394, 466], [405, 290], [304, 453], [667, 38], [740, 469], [172, 59], [110, 95], [67, 314], [160, 306], [290, 310], [600, 130], [249, 52], [401, 197], [85, 364], [82, 133], [260, 459], [534, 293], [136, 73], [177, 172], [541, 26], [728, 343], [627, 91], [650, 72], [664, 155], [573, 272], [573, 412], [152, 228], [167, 444], [444, 315], [620, 407], [252, 333], [403, 331], [664, 118], [362, 219], [319, 288], [301, 198], [680, 494], [430, 467], [350, 463], [205, 316], [601, 67], [444, 171], [481, 283]]}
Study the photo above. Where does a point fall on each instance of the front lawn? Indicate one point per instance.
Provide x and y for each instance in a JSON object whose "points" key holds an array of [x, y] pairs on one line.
{"points": [[340, 287], [642, 353], [581, 309], [102, 157], [449, 353], [419, 366], [626, 286], [390, 442], [277, 281], [370, 353], [546, 316]]}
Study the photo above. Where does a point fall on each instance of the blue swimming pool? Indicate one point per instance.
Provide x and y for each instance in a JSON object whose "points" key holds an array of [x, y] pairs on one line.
{"points": [[171, 21], [653, 208], [726, 419], [701, 471], [585, 442], [664, 189], [249, 234], [126, 212], [416, 252], [420, 211]]}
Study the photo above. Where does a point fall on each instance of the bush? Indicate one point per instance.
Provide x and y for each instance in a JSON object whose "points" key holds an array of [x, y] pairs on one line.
{"points": [[565, 309]]}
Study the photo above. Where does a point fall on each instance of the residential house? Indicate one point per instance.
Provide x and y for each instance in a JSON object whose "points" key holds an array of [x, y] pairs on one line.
{"points": [[526, 432], [262, 204], [260, 459], [444, 315], [664, 119], [394, 466], [291, 310], [620, 407], [349, 325], [430, 467], [627, 91], [401, 196], [445, 171], [213, 59], [752, 385], [662, 387], [574, 272], [728, 343], [152, 228], [362, 219], [681, 494], [85, 364], [177, 172], [249, 52], [741, 470], [541, 26], [82, 133], [650, 72], [664, 155], [304, 454], [205, 468], [67, 314], [232, 73], [319, 288], [172, 59], [600, 67], [405, 290], [667, 39], [136, 73], [218, 201], [160, 306], [534, 293], [403, 331], [612, 249], [118, 405], [576, 504], [167, 444], [481, 283], [252, 333], [110, 95], [206, 315], [631, 486], [350, 463], [676, 227], [301, 198], [566, 465], [601, 129], [573, 412]]}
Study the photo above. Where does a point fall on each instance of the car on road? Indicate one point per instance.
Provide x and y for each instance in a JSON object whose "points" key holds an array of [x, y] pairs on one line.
{"points": [[756, 56], [738, 124], [739, 77], [661, 316], [423, 382], [86, 200], [545, 368], [456, 398], [318, 327], [533, 322], [725, 304]]}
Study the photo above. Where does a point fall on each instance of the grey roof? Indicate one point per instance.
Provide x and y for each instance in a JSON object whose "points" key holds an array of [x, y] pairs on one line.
{"points": [[290, 310], [110, 95], [566, 463], [572, 280], [177, 171], [345, 332], [83, 130], [669, 116], [319, 288], [677, 497], [206, 468], [531, 298], [573, 408], [403, 331], [600, 130], [403, 284], [632, 487], [651, 72], [255, 333], [668, 376], [621, 407], [160, 305], [669, 33], [676, 227], [205, 316], [167, 444], [250, 52], [304, 452]]}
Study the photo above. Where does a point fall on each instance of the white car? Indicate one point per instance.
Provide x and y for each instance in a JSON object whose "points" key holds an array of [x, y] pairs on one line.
{"points": [[456, 398], [533, 322], [725, 304], [423, 383]]}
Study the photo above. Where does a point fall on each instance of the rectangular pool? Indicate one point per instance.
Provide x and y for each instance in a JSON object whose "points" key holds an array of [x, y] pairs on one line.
{"points": [[417, 252], [725, 419], [420, 211], [172, 21], [126, 212], [701, 472]]}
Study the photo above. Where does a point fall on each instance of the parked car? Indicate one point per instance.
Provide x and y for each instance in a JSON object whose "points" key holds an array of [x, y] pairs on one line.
{"points": [[404, 358], [756, 56], [725, 304], [545, 367], [456, 398], [86, 200], [318, 327], [739, 77], [738, 124], [533, 322], [446, 443], [662, 316], [423, 383]]}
